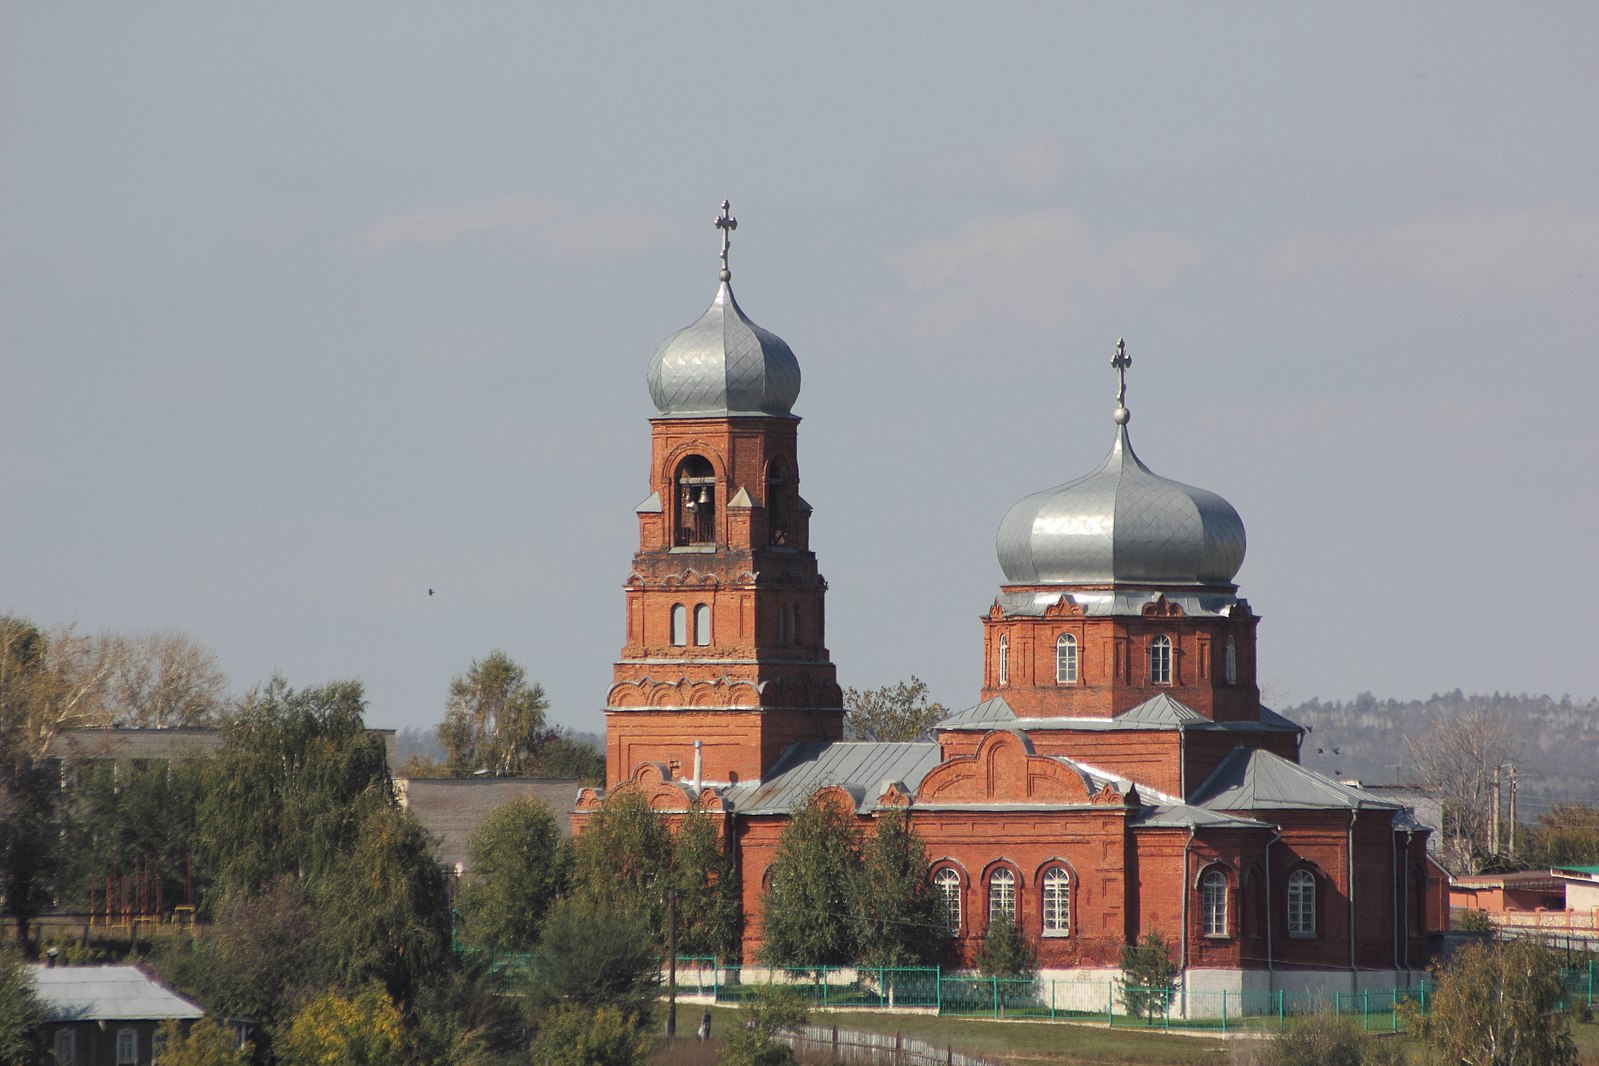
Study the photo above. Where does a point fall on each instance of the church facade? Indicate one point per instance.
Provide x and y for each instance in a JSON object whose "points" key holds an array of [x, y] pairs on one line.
{"points": [[1118, 772]]}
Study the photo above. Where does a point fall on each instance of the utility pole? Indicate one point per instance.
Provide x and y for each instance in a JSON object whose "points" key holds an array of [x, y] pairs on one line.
{"points": [[671, 963], [1512, 810], [1493, 817]]}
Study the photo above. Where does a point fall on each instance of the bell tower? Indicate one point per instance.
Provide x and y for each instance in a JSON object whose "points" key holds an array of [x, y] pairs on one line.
{"points": [[725, 662]]}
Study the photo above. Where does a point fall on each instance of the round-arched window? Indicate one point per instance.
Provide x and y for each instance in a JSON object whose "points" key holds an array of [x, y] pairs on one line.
{"points": [[947, 883], [1066, 660], [1160, 661], [695, 492], [1057, 900], [1001, 896], [1302, 903]]}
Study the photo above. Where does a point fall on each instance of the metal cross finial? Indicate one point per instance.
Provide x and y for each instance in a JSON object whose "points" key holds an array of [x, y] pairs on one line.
{"points": [[1121, 361], [727, 224]]}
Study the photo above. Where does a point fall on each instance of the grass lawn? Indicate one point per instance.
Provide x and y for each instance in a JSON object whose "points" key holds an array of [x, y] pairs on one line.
{"points": [[1018, 1042], [1023, 1042]]}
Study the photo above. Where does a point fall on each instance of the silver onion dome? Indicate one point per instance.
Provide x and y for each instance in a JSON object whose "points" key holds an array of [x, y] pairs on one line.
{"points": [[724, 364], [1123, 523]]}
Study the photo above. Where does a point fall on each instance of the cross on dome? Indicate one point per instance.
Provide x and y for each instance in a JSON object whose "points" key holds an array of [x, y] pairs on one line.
{"points": [[727, 224], [1121, 361]]}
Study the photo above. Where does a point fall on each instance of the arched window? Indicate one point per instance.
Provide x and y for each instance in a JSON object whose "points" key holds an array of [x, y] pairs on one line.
{"points": [[1004, 660], [1213, 903], [702, 624], [1232, 661], [696, 502], [1057, 895], [1160, 661], [1302, 903], [1001, 896], [1066, 660], [778, 508], [947, 883], [679, 624]]}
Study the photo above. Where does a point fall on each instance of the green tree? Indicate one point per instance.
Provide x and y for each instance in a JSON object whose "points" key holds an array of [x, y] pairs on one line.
{"points": [[207, 1043], [768, 1013], [518, 867], [589, 1036], [266, 957], [900, 917], [1495, 1005], [132, 817], [468, 1015], [494, 720], [593, 955], [1149, 976], [385, 912], [1005, 952], [624, 858], [292, 783], [21, 1014], [809, 912], [365, 1029], [893, 712], [1565, 835], [30, 839], [706, 880], [564, 756]]}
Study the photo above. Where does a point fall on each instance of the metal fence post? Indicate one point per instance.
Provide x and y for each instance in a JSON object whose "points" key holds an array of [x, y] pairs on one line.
{"points": [[996, 997], [1110, 1004], [1365, 1008], [1224, 1010], [1279, 1010]]}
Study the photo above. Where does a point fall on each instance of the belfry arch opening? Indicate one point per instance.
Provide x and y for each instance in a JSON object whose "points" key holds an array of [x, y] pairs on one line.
{"points": [[695, 493], [779, 503]]}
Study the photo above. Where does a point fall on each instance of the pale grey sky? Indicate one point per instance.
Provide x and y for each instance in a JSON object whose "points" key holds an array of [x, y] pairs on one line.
{"points": [[308, 308]]}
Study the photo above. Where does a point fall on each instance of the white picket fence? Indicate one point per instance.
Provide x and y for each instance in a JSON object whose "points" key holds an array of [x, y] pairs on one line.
{"points": [[880, 1049]]}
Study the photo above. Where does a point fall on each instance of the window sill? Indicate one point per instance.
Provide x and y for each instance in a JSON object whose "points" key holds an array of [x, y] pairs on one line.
{"points": [[1055, 936], [694, 549], [1303, 936], [1215, 936]]}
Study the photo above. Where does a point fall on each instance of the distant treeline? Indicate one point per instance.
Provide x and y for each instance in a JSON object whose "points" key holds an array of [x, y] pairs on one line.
{"points": [[1555, 745]]}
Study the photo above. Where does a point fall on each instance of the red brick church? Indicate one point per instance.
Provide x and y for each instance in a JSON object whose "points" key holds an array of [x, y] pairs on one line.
{"points": [[1119, 772]]}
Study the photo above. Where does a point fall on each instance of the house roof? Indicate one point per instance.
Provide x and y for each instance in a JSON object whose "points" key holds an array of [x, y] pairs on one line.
{"points": [[107, 993], [863, 768], [1250, 780], [452, 808]]}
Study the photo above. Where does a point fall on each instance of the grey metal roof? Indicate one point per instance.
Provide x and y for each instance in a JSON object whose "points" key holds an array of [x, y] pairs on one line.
{"points": [[452, 808], [861, 767], [106, 993], [1122, 522], [1159, 712], [724, 364], [1184, 816], [1251, 780], [1120, 603]]}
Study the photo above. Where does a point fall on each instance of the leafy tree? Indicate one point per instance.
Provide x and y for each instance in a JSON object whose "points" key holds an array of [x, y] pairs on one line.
{"points": [[294, 780], [584, 1036], [130, 816], [1495, 1005], [1005, 952], [161, 680], [494, 720], [20, 1011], [49, 681], [467, 1016], [893, 712], [385, 912], [624, 857], [366, 1029], [593, 955], [1149, 976], [207, 1043], [769, 1012], [900, 919], [1565, 835], [809, 912], [518, 867], [565, 756], [30, 839], [266, 958], [706, 880]]}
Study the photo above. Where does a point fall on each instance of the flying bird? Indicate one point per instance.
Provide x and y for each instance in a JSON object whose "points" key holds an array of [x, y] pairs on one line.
{"points": [[430, 592]]}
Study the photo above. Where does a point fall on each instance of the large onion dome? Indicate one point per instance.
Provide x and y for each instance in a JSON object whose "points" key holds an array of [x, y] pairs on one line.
{"points": [[724, 364], [1123, 523]]}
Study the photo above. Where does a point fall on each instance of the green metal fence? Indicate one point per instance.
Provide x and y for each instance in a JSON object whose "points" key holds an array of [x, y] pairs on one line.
{"points": [[1098, 999]]}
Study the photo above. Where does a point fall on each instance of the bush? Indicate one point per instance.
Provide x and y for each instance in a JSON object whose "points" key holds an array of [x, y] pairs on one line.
{"points": [[1323, 1040], [1475, 921], [207, 1043], [366, 1030], [578, 1036], [770, 1011], [1149, 977], [1005, 952]]}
